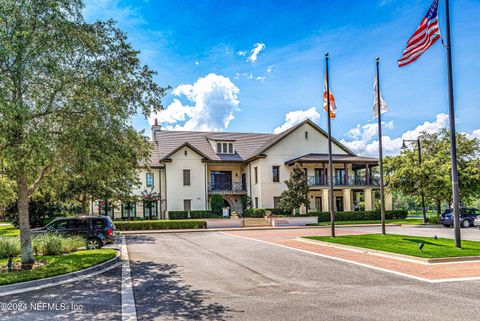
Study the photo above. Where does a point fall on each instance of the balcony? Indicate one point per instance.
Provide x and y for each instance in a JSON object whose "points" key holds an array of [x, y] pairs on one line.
{"points": [[227, 188], [315, 181]]}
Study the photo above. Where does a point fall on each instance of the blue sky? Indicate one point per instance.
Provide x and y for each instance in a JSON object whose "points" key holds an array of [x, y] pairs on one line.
{"points": [[203, 49]]}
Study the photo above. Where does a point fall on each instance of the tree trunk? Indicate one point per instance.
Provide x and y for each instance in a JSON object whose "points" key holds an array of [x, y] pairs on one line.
{"points": [[84, 204], [24, 222], [439, 207]]}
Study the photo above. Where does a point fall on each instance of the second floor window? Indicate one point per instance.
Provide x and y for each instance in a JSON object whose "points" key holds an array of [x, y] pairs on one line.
{"points": [[276, 174], [225, 148], [255, 170], [186, 177], [150, 180]]}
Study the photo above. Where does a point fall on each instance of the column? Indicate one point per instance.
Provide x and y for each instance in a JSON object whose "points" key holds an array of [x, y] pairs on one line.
{"points": [[325, 200], [347, 200], [388, 201], [369, 200]]}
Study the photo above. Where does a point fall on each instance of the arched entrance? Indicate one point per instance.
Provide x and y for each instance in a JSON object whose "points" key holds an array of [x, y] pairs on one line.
{"points": [[227, 204]]}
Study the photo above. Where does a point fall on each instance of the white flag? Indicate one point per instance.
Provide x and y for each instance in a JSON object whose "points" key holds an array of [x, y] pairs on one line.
{"points": [[383, 103]]}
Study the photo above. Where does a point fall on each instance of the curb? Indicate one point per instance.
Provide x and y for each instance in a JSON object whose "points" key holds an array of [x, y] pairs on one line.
{"points": [[397, 256], [134, 232], [59, 279]]}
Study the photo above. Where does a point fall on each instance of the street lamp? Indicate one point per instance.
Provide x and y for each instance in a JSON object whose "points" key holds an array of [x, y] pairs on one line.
{"points": [[404, 146]]}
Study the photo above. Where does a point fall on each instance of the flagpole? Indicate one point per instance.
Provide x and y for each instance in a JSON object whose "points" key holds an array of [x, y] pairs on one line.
{"points": [[453, 143], [330, 161], [380, 151]]}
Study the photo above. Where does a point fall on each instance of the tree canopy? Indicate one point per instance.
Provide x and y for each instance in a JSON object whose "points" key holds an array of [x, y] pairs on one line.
{"points": [[65, 84], [405, 175], [297, 190]]}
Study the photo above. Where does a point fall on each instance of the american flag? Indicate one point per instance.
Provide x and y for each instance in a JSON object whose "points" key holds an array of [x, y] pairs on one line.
{"points": [[423, 38]]}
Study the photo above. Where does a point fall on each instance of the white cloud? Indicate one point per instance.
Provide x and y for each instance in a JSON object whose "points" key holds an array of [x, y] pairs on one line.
{"points": [[241, 53], [197, 62], [269, 69], [214, 99], [294, 117], [261, 78], [474, 134], [257, 48], [362, 138]]}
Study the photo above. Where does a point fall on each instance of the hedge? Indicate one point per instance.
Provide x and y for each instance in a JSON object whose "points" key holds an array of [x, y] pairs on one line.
{"points": [[183, 215], [160, 225], [361, 215], [260, 212]]}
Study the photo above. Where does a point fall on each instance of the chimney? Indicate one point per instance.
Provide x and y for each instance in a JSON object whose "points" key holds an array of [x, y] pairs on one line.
{"points": [[155, 129]]}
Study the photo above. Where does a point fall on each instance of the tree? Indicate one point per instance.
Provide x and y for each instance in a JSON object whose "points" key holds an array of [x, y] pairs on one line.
{"points": [[216, 204], [60, 76], [406, 176], [246, 202], [297, 191]]}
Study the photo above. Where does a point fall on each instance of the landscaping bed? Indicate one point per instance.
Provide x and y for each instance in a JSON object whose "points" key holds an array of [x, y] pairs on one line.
{"points": [[48, 266], [406, 245], [8, 230], [159, 225]]}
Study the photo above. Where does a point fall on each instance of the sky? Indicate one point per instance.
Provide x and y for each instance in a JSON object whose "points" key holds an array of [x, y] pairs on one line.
{"points": [[257, 66]]}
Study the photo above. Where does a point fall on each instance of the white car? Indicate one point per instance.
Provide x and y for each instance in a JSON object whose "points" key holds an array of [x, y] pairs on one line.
{"points": [[476, 222]]}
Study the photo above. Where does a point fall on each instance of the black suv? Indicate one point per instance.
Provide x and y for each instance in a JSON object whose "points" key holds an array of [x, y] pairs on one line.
{"points": [[467, 217], [97, 230]]}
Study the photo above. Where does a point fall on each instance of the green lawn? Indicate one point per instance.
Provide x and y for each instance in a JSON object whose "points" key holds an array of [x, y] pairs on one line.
{"points": [[58, 265], [405, 221], [408, 245], [8, 230]]}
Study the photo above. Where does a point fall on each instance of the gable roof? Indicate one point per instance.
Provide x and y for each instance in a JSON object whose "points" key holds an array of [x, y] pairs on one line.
{"points": [[248, 146]]}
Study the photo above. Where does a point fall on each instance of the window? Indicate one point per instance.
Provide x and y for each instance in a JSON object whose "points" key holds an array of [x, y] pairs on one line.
{"points": [[80, 224], [306, 135], [150, 180], [255, 170], [318, 204], [276, 202], [150, 210], [60, 225], [340, 176], [187, 205], [305, 170], [339, 203], [129, 210], [186, 177], [225, 148], [256, 202], [98, 224], [276, 174], [186, 152]]}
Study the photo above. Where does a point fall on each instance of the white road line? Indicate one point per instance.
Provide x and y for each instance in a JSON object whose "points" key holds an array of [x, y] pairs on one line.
{"points": [[129, 311], [360, 264], [48, 285]]}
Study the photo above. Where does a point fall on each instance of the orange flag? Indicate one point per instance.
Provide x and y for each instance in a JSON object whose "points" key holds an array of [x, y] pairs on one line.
{"points": [[333, 107]]}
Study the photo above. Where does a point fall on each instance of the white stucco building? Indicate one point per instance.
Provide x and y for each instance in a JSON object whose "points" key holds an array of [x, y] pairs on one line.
{"points": [[188, 167]]}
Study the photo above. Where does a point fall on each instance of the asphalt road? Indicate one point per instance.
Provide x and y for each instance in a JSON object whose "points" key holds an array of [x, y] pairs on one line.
{"points": [[94, 299], [216, 276]]}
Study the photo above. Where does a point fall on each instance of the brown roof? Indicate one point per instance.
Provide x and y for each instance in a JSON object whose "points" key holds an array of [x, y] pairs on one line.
{"points": [[314, 158], [248, 146]]}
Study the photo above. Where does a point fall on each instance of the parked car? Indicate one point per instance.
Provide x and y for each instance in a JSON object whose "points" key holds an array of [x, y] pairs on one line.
{"points": [[476, 222], [97, 230], [467, 217]]}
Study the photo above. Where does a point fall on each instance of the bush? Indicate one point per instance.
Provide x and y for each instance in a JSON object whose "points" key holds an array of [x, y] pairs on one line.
{"points": [[9, 246], [160, 225], [183, 215], [254, 212], [216, 204], [361, 215], [56, 244], [434, 219]]}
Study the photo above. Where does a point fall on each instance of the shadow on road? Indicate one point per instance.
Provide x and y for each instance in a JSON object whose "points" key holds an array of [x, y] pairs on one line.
{"points": [[140, 239], [160, 293]]}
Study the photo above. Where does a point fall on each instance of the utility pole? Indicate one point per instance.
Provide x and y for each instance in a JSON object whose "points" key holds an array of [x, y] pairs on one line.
{"points": [[380, 151]]}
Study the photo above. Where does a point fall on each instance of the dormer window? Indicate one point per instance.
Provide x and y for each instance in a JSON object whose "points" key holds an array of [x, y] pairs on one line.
{"points": [[225, 148]]}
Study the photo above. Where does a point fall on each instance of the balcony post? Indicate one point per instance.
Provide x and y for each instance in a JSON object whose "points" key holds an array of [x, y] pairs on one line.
{"points": [[367, 175]]}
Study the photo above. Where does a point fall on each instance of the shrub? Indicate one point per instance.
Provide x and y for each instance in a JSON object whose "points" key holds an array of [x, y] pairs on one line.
{"points": [[9, 246], [72, 244], [48, 244], [160, 225], [434, 219], [255, 212], [183, 215], [361, 215], [216, 204]]}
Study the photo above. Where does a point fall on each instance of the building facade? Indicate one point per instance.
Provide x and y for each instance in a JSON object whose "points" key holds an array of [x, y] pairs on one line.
{"points": [[187, 168]]}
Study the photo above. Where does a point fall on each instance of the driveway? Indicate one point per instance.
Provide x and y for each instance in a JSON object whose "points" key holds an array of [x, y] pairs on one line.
{"points": [[220, 276]]}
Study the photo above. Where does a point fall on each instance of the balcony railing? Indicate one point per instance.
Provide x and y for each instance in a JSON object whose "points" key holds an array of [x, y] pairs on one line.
{"points": [[235, 187], [342, 181]]}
